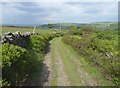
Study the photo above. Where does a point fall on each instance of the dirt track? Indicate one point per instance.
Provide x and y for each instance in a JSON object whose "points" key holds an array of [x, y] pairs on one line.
{"points": [[63, 67], [63, 78]]}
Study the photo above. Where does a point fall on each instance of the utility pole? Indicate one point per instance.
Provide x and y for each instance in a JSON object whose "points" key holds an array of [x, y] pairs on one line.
{"points": [[14, 19], [34, 29], [60, 26]]}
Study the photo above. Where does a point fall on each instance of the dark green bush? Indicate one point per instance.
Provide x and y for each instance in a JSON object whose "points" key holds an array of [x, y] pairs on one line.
{"points": [[14, 63], [38, 42]]}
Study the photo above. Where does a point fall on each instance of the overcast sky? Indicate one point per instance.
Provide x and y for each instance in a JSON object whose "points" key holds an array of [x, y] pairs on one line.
{"points": [[53, 12]]}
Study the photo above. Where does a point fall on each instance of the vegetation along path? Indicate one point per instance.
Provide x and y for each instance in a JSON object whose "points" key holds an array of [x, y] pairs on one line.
{"points": [[63, 66]]}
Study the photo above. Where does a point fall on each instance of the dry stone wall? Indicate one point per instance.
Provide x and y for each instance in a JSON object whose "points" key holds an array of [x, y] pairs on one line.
{"points": [[16, 38]]}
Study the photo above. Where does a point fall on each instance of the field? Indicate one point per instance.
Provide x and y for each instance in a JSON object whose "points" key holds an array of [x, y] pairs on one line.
{"points": [[22, 30]]}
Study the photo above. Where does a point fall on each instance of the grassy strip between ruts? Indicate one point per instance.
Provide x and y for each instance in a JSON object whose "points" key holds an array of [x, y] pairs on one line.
{"points": [[53, 80]]}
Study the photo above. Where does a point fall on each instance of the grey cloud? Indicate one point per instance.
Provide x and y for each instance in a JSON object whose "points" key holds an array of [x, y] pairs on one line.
{"points": [[31, 12]]}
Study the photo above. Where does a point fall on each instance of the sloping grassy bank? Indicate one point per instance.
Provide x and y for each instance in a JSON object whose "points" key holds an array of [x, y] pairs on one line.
{"points": [[100, 49]]}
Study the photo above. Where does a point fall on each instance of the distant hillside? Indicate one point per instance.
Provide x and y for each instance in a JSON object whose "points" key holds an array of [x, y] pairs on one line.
{"points": [[97, 25], [62, 25], [104, 25]]}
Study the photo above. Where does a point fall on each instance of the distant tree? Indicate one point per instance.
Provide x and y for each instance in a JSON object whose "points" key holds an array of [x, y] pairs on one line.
{"points": [[72, 30], [50, 26], [73, 27]]}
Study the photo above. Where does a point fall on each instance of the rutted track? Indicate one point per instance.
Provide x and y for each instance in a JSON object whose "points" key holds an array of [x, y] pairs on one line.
{"points": [[62, 67], [65, 70]]}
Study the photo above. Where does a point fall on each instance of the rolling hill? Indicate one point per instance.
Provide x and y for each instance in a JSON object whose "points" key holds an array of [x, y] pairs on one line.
{"points": [[61, 25], [104, 25]]}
